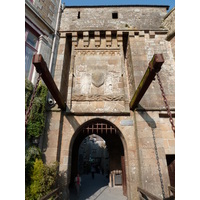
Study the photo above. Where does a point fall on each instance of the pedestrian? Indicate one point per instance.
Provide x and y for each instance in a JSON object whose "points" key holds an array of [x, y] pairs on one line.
{"points": [[92, 170], [77, 181]]}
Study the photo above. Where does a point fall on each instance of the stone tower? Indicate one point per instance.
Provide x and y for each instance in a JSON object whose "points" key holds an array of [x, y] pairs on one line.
{"points": [[103, 54]]}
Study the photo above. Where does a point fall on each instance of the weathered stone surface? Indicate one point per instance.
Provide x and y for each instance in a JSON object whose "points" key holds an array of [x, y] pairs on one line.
{"points": [[99, 73], [100, 18], [97, 78]]}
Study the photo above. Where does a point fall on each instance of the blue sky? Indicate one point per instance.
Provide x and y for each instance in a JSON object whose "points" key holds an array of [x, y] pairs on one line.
{"points": [[171, 3]]}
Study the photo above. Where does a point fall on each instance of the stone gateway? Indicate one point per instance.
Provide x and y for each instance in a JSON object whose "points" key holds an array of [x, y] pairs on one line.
{"points": [[103, 54]]}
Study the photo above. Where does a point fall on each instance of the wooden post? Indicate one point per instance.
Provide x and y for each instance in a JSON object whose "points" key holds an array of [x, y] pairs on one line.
{"points": [[154, 67], [41, 67]]}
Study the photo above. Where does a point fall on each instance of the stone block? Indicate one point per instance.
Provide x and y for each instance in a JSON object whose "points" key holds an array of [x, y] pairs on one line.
{"points": [[146, 143], [171, 143], [147, 153]]}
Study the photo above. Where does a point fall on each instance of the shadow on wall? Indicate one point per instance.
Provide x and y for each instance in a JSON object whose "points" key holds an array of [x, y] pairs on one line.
{"points": [[151, 123], [45, 141], [62, 176]]}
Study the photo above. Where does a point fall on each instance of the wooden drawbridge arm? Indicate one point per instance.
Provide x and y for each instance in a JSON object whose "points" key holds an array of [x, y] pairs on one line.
{"points": [[154, 67], [41, 67]]}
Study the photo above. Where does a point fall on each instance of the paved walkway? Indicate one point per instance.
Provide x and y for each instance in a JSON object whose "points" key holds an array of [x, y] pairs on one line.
{"points": [[97, 189]]}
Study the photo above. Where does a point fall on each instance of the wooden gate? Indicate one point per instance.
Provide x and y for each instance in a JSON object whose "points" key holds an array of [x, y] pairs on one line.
{"points": [[124, 185], [171, 169]]}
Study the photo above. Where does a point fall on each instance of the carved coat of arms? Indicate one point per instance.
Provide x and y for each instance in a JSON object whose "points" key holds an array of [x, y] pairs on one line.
{"points": [[97, 78]]}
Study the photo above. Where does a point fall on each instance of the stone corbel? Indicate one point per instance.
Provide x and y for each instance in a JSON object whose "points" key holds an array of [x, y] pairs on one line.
{"points": [[131, 34], [62, 34], [97, 39], [141, 33], [74, 39], [119, 38], [151, 34], [108, 39], [85, 39]]}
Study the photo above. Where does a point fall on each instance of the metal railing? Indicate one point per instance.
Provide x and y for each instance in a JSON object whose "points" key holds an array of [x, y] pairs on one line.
{"points": [[51, 194], [147, 195]]}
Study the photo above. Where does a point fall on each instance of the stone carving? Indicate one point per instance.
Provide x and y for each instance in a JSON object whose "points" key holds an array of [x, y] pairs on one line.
{"points": [[98, 78], [97, 97], [111, 52]]}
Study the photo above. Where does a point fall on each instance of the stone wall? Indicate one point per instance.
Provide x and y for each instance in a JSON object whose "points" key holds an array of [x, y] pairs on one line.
{"points": [[98, 71], [70, 126], [169, 24], [147, 124], [142, 50], [100, 18], [48, 9]]}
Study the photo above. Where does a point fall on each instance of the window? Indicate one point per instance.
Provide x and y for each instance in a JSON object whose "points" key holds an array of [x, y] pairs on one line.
{"points": [[91, 34], [31, 43], [102, 34], [115, 15], [79, 15]]}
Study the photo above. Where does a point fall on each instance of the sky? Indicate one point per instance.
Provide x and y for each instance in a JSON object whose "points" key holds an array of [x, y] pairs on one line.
{"points": [[170, 3]]}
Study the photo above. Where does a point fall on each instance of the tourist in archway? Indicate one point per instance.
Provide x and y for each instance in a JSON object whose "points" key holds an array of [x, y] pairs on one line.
{"points": [[77, 183]]}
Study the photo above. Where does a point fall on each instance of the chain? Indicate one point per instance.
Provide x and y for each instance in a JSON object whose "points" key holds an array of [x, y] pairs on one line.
{"points": [[32, 98], [158, 163], [166, 104]]}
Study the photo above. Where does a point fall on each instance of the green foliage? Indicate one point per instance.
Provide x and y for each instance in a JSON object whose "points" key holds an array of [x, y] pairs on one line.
{"points": [[30, 155], [42, 180], [39, 177], [35, 189], [28, 92], [36, 120]]}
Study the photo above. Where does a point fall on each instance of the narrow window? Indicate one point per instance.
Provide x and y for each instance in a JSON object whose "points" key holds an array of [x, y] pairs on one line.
{"points": [[31, 44], [114, 35], [91, 34], [102, 34], [115, 15], [79, 15]]}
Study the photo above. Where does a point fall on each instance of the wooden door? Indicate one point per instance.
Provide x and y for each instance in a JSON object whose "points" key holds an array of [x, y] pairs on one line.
{"points": [[124, 185], [171, 169]]}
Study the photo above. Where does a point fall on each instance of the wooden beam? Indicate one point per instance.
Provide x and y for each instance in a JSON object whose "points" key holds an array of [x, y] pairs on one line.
{"points": [[41, 67], [148, 194], [154, 67]]}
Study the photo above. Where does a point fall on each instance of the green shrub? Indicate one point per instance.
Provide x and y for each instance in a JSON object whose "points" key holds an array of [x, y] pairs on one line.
{"points": [[28, 92], [42, 180], [30, 155], [36, 120]]}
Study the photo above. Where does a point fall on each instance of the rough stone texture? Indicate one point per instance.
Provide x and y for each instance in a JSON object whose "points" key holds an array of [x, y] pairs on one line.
{"points": [[145, 122], [98, 74], [89, 65], [100, 18], [142, 50], [45, 48], [48, 10], [50, 140], [169, 23], [71, 124]]}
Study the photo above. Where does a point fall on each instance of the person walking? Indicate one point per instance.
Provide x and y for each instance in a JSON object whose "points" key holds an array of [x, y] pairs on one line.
{"points": [[77, 181], [92, 170]]}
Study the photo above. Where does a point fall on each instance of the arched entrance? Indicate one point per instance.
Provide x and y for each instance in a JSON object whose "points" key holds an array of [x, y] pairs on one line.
{"points": [[115, 144]]}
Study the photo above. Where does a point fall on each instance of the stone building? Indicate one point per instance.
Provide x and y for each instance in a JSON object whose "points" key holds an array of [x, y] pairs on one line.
{"points": [[93, 151], [41, 33], [103, 53]]}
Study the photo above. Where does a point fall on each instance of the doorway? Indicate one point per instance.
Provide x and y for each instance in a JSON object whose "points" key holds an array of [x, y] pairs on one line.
{"points": [[98, 144]]}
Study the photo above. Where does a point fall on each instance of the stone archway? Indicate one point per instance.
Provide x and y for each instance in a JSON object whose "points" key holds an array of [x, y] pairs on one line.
{"points": [[115, 144]]}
